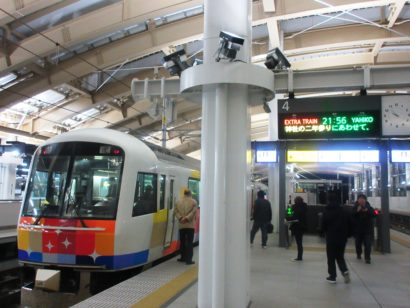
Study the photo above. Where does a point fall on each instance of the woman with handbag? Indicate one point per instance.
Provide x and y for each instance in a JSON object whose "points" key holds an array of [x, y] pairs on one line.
{"points": [[298, 226]]}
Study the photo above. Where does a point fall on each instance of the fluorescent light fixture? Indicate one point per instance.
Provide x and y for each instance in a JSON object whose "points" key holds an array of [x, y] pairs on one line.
{"points": [[70, 123], [42, 100], [49, 96], [400, 156], [7, 78], [81, 117], [25, 108], [266, 156], [325, 94], [353, 156]]}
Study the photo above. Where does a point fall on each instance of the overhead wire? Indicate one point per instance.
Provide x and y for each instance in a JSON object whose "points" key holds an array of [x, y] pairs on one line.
{"points": [[369, 22], [71, 74], [69, 50], [48, 103], [60, 45], [67, 109]]}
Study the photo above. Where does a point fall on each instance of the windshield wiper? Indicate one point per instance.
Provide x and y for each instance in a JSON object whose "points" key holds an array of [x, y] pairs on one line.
{"points": [[43, 211], [76, 206], [77, 211]]}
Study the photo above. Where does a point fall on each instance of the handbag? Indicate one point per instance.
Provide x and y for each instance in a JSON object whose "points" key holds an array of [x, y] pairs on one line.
{"points": [[270, 228]]}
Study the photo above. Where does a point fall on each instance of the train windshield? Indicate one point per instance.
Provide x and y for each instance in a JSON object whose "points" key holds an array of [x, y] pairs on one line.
{"points": [[75, 179]]}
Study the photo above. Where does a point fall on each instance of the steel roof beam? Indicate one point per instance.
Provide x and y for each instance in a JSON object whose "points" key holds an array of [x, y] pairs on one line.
{"points": [[344, 79], [395, 10], [23, 8]]}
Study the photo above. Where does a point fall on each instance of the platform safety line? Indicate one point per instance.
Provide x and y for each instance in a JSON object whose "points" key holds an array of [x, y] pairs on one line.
{"points": [[170, 290], [399, 240]]}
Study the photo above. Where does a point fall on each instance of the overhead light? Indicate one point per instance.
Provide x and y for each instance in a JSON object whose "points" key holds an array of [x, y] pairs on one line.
{"points": [[229, 45], [276, 60], [176, 62], [7, 78]]}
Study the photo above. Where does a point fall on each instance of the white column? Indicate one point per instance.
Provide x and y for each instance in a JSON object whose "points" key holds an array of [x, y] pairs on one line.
{"points": [[220, 201], [206, 198], [273, 172], [224, 264], [237, 236]]}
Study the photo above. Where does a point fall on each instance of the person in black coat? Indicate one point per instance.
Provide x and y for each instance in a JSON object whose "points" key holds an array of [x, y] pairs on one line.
{"points": [[262, 216], [336, 226], [363, 215], [299, 224]]}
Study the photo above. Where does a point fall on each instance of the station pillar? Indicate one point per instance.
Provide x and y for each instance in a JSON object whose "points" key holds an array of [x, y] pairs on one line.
{"points": [[277, 176], [384, 198], [224, 251], [273, 172]]}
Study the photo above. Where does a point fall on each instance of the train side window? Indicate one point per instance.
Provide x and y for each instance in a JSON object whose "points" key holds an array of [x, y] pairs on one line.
{"points": [[193, 186], [162, 192], [171, 194], [145, 197]]}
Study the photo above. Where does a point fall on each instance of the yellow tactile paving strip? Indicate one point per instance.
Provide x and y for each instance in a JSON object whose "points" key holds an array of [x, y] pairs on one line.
{"points": [[400, 240], [167, 292], [170, 290]]}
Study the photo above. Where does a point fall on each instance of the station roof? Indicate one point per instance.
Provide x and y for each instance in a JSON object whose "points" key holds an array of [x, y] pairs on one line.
{"points": [[69, 64]]}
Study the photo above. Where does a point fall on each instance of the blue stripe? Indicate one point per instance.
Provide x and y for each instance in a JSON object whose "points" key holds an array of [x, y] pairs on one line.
{"points": [[131, 259], [110, 262], [23, 255]]}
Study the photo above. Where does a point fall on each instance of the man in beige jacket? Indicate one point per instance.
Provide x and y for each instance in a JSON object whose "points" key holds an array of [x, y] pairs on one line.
{"points": [[185, 212]]}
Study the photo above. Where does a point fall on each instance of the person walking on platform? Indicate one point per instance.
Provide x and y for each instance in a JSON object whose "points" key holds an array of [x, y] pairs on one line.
{"points": [[336, 226], [262, 216], [299, 224], [185, 212], [363, 215]]}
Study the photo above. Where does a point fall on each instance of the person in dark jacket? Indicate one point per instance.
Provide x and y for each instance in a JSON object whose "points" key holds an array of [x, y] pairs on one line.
{"points": [[299, 224], [262, 216], [363, 215], [336, 226]]}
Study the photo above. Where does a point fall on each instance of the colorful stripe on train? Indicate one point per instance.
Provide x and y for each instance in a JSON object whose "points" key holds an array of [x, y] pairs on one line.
{"points": [[84, 247]]}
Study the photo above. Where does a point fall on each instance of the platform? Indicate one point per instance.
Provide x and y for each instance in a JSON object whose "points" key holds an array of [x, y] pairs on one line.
{"points": [[8, 235], [278, 282]]}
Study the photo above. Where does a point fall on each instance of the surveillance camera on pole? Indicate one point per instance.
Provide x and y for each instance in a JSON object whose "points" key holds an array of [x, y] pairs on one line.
{"points": [[229, 45], [276, 60], [176, 62]]}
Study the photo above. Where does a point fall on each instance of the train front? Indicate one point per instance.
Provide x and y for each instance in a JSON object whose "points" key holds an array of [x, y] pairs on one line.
{"points": [[68, 213]]}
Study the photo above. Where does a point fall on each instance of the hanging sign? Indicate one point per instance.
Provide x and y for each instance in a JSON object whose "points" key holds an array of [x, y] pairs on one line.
{"points": [[328, 118]]}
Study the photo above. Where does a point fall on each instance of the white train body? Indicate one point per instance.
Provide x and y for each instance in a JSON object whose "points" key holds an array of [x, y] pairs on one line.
{"points": [[88, 202]]}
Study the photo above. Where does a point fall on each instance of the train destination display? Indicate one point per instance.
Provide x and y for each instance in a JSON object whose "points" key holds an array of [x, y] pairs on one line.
{"points": [[329, 125], [328, 118]]}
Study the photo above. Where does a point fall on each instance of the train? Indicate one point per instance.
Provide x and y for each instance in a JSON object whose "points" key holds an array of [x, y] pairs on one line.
{"points": [[102, 200]]}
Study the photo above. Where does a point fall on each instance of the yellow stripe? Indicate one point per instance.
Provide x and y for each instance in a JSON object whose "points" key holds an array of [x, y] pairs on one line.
{"points": [[160, 216], [196, 174], [399, 240], [170, 290]]}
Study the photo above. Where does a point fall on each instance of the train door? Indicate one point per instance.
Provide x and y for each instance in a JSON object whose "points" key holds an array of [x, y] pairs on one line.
{"points": [[170, 219]]}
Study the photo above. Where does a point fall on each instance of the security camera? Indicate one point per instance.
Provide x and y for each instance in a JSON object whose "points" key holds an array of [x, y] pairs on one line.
{"points": [[266, 107], [276, 60], [233, 38], [229, 45], [176, 62]]}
